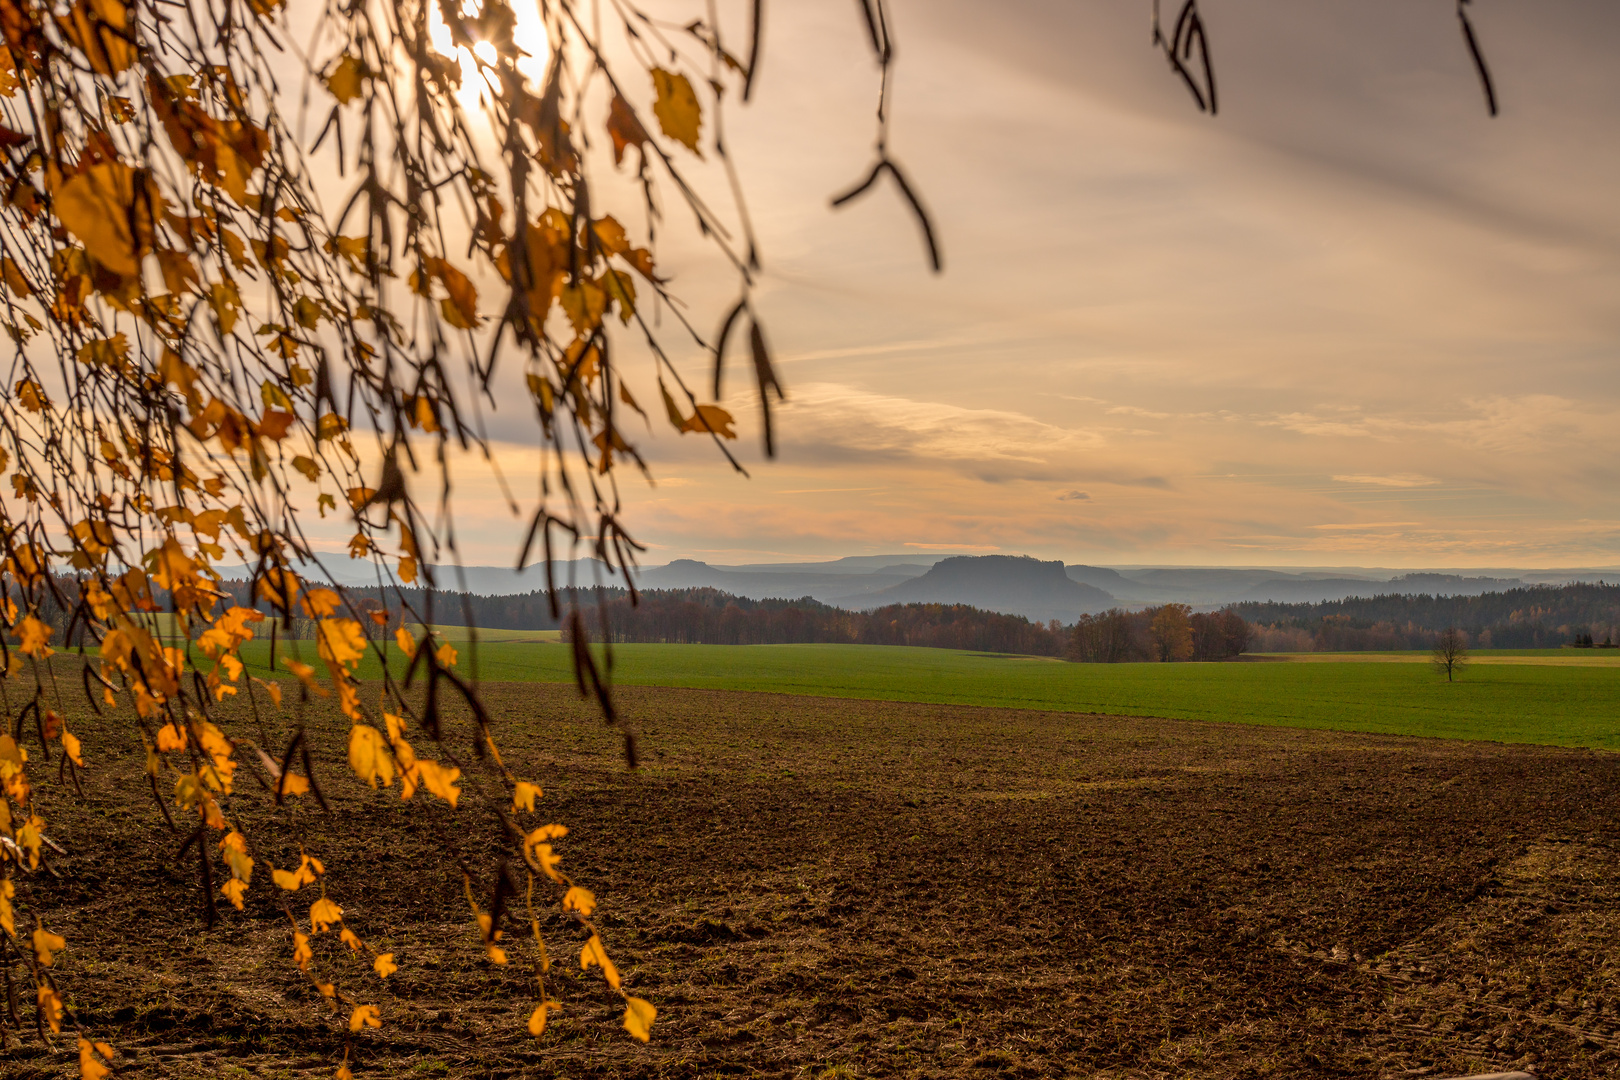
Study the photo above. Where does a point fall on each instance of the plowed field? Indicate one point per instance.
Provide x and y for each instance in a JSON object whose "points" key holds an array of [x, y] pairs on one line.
{"points": [[836, 888]]}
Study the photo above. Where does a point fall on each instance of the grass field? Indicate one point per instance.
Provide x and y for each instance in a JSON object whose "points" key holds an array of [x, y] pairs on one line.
{"points": [[1552, 697]]}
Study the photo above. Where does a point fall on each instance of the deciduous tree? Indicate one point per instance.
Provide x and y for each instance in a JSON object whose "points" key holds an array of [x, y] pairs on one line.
{"points": [[219, 325], [1450, 653], [1171, 632]]}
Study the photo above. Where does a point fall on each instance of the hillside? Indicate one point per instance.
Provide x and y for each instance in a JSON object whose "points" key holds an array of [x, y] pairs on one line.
{"points": [[1011, 584]]}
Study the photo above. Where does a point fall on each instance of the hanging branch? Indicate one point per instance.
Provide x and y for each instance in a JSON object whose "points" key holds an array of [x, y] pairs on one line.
{"points": [[875, 13], [1178, 49], [1478, 57]]}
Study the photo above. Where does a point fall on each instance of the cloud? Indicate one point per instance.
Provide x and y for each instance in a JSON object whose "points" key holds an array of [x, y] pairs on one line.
{"points": [[1512, 424], [1371, 525], [952, 547], [1074, 496], [825, 417], [1133, 410], [1401, 480]]}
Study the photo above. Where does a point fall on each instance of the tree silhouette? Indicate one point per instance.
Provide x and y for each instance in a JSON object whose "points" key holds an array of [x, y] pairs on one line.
{"points": [[1450, 653]]}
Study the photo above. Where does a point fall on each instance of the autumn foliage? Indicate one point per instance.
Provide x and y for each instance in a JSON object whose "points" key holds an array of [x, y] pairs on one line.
{"points": [[223, 317]]}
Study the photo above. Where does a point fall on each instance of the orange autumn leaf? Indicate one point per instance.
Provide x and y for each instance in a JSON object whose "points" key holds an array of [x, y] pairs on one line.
{"points": [[364, 1016], [710, 418], [677, 109], [624, 129]]}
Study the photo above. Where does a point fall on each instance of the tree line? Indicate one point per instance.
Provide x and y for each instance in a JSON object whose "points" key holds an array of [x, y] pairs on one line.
{"points": [[1534, 617], [1524, 618], [710, 617], [1169, 633]]}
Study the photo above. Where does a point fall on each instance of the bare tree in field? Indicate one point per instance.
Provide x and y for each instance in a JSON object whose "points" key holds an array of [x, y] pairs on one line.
{"points": [[1450, 653]]}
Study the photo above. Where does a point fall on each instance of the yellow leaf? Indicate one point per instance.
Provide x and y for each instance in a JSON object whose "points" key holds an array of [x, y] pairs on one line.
{"points": [[50, 1006], [8, 918], [421, 413], [302, 954], [711, 418], [170, 738], [496, 954], [292, 784], [580, 900], [32, 396], [674, 410], [396, 727], [351, 939], [622, 290], [322, 914], [328, 990], [32, 636], [343, 1072], [101, 29], [89, 1067], [460, 309], [72, 748], [593, 955], [677, 108], [384, 965], [180, 274], [624, 129], [583, 304], [14, 278], [611, 235], [307, 312], [110, 352], [273, 689], [347, 80], [319, 603], [439, 780], [446, 655], [233, 890], [638, 1017], [293, 880], [364, 1016], [46, 943], [537, 1019], [368, 756], [535, 850], [236, 249], [307, 466], [524, 795], [341, 641], [353, 249], [95, 207], [226, 301]]}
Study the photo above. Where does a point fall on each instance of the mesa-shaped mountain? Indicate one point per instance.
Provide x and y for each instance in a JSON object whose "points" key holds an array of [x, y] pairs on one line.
{"points": [[1010, 584]]}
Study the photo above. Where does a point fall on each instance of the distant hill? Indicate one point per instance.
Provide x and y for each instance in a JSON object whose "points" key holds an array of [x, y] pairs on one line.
{"points": [[785, 583], [1315, 591], [1011, 584], [1109, 581]]}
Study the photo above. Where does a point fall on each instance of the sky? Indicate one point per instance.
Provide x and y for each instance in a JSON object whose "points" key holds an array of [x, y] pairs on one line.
{"points": [[1351, 320]]}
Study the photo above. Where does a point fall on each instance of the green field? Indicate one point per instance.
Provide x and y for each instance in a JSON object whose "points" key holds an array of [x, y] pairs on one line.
{"points": [[1551, 697]]}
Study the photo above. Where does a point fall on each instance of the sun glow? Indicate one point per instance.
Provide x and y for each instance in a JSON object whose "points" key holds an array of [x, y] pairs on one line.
{"points": [[529, 32]]}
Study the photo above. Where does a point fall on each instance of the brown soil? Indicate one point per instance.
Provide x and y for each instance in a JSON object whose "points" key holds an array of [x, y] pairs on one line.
{"points": [[822, 888]]}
